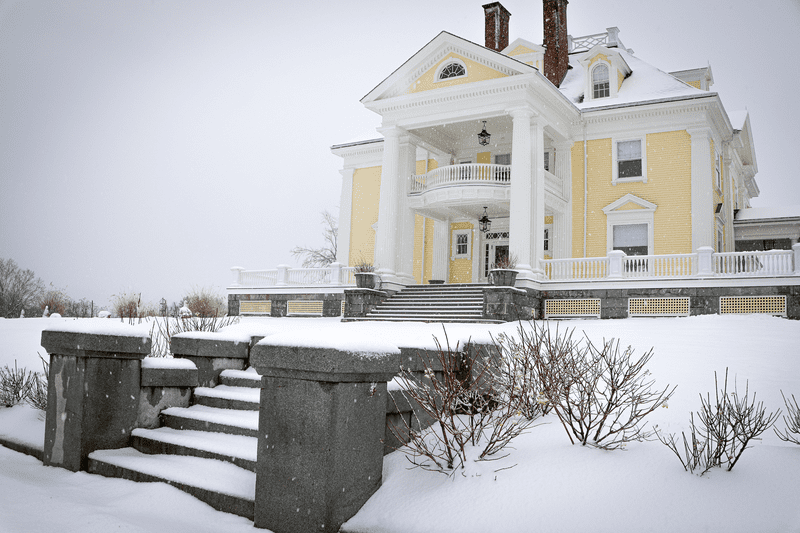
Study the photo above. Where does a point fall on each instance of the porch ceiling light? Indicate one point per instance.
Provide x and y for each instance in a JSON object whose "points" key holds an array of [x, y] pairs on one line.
{"points": [[484, 223], [484, 137]]}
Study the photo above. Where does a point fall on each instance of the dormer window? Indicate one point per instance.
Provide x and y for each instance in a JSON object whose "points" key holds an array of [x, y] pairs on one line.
{"points": [[450, 70], [600, 85]]}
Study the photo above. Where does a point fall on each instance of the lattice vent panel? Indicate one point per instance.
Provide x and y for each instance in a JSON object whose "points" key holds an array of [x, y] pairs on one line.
{"points": [[257, 307], [304, 307], [569, 308], [658, 306], [770, 305]]}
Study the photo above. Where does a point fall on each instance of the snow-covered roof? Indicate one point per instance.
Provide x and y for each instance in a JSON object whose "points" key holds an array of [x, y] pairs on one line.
{"points": [[646, 83], [738, 118], [768, 213]]}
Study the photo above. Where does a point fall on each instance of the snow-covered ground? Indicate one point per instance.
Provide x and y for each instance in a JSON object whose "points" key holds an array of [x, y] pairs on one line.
{"points": [[550, 486]]}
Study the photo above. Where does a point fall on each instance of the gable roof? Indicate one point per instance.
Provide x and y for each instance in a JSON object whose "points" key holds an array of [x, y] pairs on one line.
{"points": [[399, 81]]}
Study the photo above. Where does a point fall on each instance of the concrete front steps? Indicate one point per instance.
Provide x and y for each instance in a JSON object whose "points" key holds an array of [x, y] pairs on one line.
{"points": [[433, 303], [207, 450]]}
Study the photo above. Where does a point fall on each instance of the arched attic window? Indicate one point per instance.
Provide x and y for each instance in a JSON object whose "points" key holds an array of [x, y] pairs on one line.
{"points": [[452, 70], [600, 86]]}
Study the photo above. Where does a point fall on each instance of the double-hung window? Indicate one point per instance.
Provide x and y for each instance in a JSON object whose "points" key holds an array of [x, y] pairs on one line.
{"points": [[461, 244], [600, 85], [631, 238], [630, 163], [629, 159]]}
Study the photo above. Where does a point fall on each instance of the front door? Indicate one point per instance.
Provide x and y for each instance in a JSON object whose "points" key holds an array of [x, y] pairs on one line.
{"points": [[494, 250]]}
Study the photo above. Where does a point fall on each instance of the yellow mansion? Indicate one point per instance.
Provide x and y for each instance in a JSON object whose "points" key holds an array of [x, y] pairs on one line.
{"points": [[571, 149]]}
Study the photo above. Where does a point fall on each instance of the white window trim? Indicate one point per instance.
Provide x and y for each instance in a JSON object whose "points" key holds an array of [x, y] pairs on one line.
{"points": [[717, 173], [454, 244], [446, 62], [615, 167], [609, 68], [645, 215], [613, 81]]}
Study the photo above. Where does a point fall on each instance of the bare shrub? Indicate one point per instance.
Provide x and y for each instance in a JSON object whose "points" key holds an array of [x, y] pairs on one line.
{"points": [[600, 395], [724, 429], [15, 384], [792, 421], [206, 302], [472, 404], [37, 395], [164, 328], [126, 306], [55, 300]]}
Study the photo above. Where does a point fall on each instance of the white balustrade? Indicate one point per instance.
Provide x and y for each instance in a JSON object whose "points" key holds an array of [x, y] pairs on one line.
{"points": [[334, 274], [467, 174], [576, 269], [660, 266], [620, 266], [770, 263]]}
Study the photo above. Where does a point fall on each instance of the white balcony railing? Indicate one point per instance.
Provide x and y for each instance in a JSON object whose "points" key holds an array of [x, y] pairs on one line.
{"points": [[771, 263], [467, 174], [590, 268], [704, 263], [660, 266], [283, 276]]}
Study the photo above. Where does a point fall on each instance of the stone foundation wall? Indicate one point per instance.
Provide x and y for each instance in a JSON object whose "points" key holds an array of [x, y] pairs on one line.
{"points": [[331, 302], [702, 300]]}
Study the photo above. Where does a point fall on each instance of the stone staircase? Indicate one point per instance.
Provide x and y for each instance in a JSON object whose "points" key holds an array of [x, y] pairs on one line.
{"points": [[207, 449], [433, 303]]}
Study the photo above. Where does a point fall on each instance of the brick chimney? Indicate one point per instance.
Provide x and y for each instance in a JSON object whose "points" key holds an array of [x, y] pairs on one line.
{"points": [[556, 55], [496, 26]]}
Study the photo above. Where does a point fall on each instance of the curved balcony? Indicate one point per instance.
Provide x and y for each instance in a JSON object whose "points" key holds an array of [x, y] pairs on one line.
{"points": [[457, 175]]}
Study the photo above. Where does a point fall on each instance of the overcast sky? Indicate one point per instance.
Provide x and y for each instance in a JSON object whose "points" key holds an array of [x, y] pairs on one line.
{"points": [[149, 146]]}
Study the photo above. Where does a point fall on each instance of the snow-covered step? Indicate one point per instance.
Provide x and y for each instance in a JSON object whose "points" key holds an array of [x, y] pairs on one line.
{"points": [[221, 485], [205, 418], [237, 449], [240, 378], [228, 397]]}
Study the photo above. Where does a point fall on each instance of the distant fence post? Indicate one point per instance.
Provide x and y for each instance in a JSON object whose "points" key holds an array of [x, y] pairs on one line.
{"points": [[320, 441], [93, 394]]}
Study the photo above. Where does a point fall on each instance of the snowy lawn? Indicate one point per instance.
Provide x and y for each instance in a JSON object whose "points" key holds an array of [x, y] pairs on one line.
{"points": [[550, 486]]}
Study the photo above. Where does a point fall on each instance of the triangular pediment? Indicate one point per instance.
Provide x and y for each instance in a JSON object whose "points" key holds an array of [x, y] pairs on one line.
{"points": [[629, 202], [610, 55], [421, 72]]}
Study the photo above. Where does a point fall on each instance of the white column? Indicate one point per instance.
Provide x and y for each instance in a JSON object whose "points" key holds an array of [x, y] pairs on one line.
{"points": [[521, 205], [562, 221], [405, 227], [345, 217], [702, 190], [537, 200], [388, 207], [441, 250]]}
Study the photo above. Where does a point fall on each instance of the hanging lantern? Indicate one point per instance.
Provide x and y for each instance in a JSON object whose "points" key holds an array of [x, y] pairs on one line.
{"points": [[484, 223], [484, 137]]}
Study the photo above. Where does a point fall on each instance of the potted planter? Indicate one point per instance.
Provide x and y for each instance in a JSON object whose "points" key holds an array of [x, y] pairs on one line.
{"points": [[366, 280], [365, 275], [502, 277], [502, 273]]}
